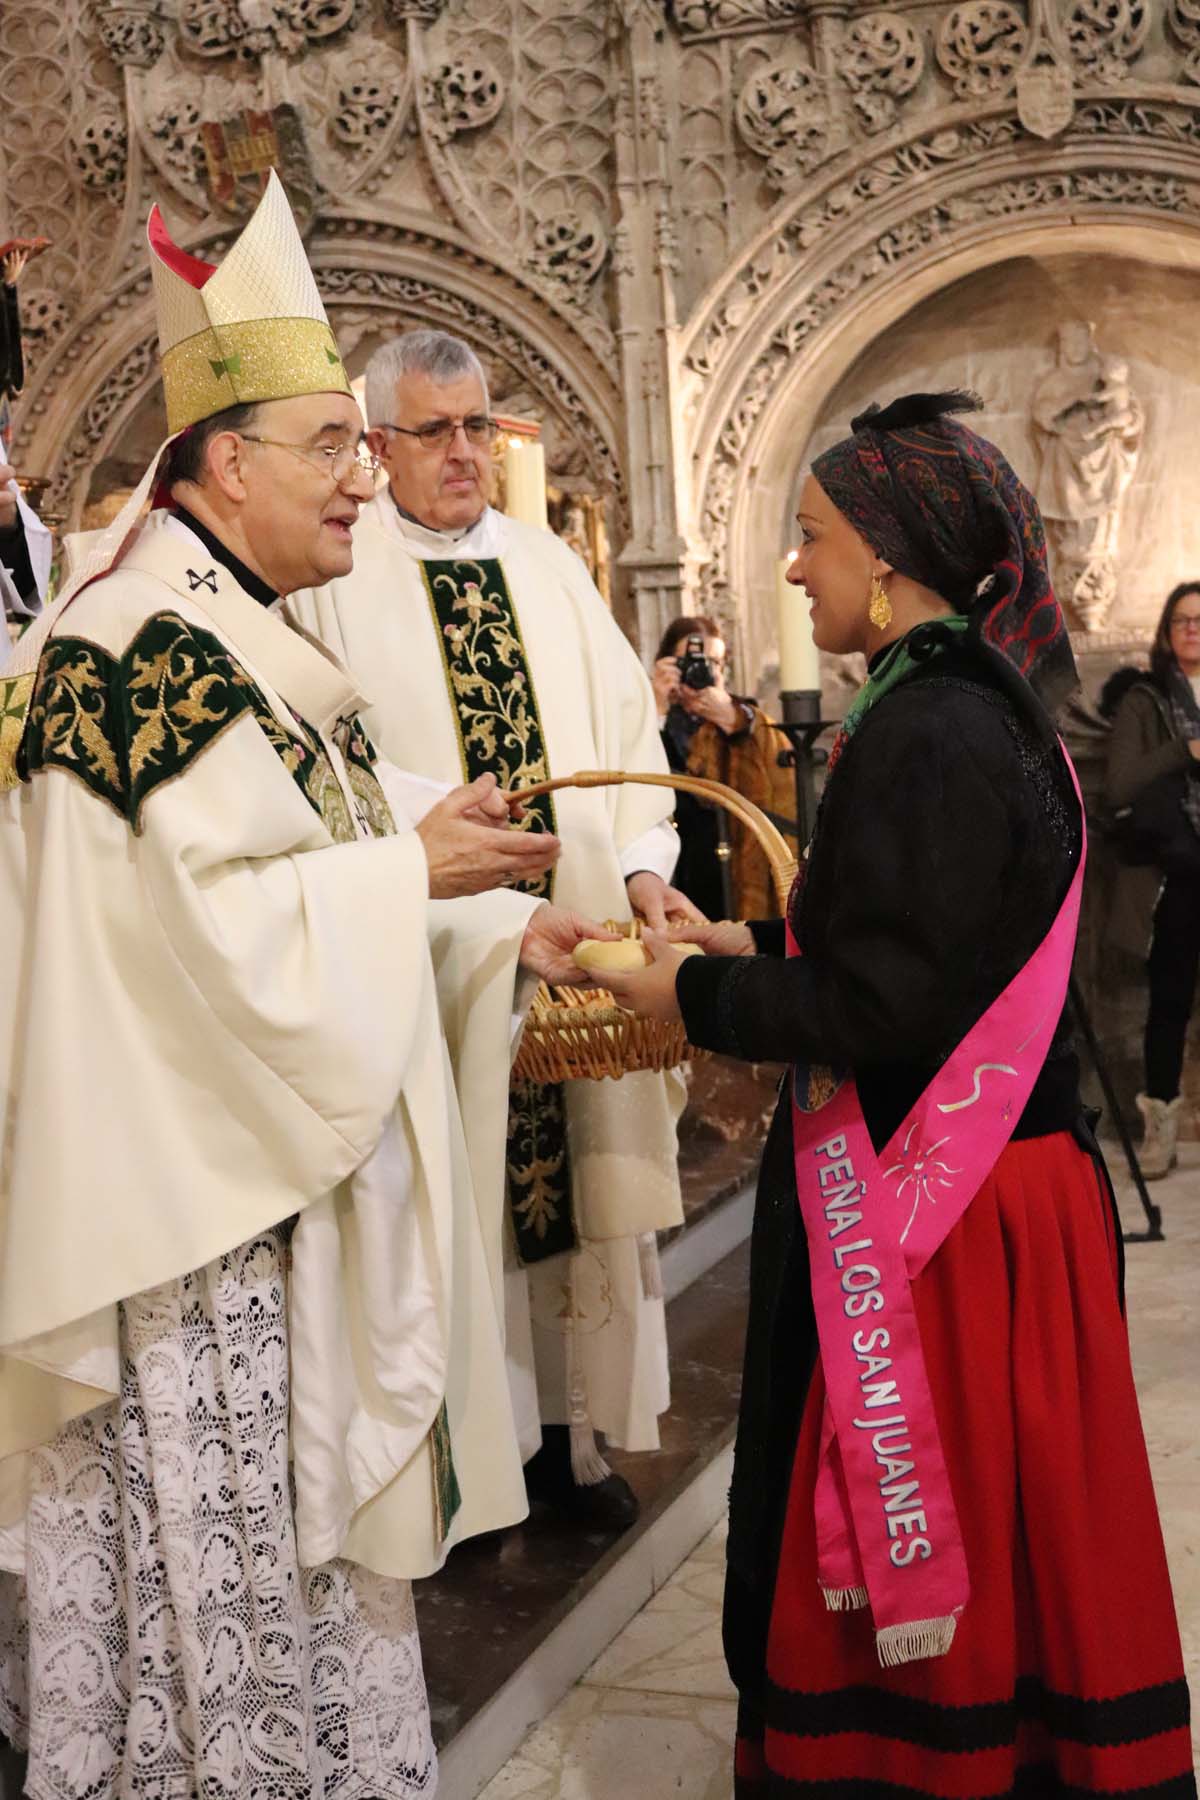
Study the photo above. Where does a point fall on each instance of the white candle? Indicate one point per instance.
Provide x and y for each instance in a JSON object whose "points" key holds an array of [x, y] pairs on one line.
{"points": [[799, 658], [525, 481]]}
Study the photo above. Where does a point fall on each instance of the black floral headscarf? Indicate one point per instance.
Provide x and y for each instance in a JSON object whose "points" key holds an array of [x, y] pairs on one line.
{"points": [[942, 505]]}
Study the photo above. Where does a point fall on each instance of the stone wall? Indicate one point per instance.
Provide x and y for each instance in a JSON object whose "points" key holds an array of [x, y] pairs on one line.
{"points": [[994, 331], [671, 225]]}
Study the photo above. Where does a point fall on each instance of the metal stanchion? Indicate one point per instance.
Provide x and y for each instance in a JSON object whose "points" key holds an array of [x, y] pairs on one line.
{"points": [[1153, 1233], [802, 725]]}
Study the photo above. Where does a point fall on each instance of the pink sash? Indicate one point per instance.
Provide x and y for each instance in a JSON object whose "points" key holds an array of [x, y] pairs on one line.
{"points": [[887, 1530]]}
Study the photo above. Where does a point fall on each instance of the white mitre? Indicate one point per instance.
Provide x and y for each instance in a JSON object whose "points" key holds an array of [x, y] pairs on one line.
{"points": [[252, 328]]}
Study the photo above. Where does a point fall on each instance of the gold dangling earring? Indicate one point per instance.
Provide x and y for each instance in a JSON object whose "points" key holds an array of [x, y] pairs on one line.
{"points": [[879, 607]]}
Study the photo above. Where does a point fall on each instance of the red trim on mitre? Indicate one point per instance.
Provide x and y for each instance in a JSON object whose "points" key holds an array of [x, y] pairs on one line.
{"points": [[192, 269]]}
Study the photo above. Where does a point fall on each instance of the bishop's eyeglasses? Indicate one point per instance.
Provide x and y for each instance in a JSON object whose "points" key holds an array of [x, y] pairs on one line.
{"points": [[438, 434], [340, 461]]}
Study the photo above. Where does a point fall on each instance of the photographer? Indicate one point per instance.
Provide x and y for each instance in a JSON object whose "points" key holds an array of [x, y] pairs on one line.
{"points": [[708, 731]]}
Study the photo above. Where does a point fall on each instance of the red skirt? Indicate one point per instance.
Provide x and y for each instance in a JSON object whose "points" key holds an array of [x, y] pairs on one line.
{"points": [[1065, 1676]]}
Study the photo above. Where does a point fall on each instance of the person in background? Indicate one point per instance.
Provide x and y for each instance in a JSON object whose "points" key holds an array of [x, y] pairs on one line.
{"points": [[487, 647], [725, 737], [25, 555], [12, 357], [1151, 773]]}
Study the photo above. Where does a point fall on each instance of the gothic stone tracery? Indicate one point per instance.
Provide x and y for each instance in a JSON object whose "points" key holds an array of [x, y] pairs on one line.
{"points": [[660, 209]]}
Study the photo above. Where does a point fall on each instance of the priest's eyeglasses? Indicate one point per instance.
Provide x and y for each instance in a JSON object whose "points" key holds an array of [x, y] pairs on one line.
{"points": [[340, 461], [438, 434]]}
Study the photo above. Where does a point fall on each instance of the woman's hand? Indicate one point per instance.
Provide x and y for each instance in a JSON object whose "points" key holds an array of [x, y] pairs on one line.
{"points": [[725, 937], [715, 706], [649, 992], [664, 679]]}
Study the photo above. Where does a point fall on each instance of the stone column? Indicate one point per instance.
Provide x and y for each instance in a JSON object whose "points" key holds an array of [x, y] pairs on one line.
{"points": [[645, 259]]}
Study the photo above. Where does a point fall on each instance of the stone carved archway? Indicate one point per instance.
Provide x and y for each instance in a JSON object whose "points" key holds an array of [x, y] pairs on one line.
{"points": [[101, 373], [851, 255]]}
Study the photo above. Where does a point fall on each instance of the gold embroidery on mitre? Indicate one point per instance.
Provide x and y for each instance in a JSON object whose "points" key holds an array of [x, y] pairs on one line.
{"points": [[255, 359]]}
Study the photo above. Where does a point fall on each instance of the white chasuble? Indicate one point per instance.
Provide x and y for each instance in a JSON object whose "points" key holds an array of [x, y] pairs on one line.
{"points": [[585, 702], [220, 1013]]}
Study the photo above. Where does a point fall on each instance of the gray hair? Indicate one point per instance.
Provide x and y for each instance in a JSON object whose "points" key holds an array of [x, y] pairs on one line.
{"points": [[433, 353]]}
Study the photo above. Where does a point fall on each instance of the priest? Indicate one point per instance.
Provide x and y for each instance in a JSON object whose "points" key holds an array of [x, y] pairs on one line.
{"points": [[488, 649], [251, 1376]]}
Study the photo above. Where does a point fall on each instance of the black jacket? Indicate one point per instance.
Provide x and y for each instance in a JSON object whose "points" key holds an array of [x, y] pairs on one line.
{"points": [[945, 844]]}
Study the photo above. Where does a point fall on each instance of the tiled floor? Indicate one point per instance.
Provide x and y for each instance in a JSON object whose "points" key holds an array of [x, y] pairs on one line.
{"points": [[654, 1715]]}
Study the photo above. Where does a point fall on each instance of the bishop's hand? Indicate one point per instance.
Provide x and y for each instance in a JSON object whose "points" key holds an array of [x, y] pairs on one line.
{"points": [[468, 856], [550, 936]]}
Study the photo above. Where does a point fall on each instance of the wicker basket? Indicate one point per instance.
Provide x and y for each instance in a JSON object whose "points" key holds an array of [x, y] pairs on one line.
{"points": [[581, 1033]]}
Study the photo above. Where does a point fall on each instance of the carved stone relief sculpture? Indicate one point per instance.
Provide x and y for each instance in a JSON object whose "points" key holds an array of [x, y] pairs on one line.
{"points": [[1184, 19], [132, 34], [724, 18], [1089, 423], [423, 12], [258, 27], [882, 59], [1046, 78], [1105, 36], [981, 46], [783, 112], [462, 96]]}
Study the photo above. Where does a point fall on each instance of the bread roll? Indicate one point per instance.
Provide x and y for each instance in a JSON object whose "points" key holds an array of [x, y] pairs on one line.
{"points": [[597, 954]]}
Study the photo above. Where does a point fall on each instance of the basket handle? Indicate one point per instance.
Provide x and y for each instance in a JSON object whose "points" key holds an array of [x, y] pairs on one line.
{"points": [[774, 844]]}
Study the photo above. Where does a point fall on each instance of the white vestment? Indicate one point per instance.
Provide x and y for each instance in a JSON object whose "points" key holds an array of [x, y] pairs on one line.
{"points": [[596, 1316], [218, 1015]]}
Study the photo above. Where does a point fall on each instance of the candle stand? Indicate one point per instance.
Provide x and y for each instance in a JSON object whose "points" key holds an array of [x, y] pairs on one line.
{"points": [[802, 725]]}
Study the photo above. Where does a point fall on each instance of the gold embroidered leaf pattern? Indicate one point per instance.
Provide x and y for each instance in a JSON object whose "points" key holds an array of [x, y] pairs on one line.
{"points": [[539, 1182], [496, 715], [71, 721], [325, 791], [489, 684], [370, 799], [485, 663], [541, 1194], [127, 725], [174, 699]]}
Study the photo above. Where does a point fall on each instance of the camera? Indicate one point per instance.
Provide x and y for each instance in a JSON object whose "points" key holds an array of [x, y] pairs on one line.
{"points": [[695, 670]]}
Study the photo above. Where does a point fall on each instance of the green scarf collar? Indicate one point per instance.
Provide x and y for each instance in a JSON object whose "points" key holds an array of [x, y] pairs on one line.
{"points": [[896, 666]]}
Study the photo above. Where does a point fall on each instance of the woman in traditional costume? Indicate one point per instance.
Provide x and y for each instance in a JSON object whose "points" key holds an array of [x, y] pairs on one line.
{"points": [[945, 1570]]}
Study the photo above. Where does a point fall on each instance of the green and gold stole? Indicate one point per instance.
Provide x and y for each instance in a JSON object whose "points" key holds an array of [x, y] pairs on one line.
{"points": [[499, 729]]}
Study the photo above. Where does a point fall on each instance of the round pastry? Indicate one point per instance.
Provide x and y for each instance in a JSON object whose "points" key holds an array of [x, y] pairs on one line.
{"points": [[598, 954]]}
